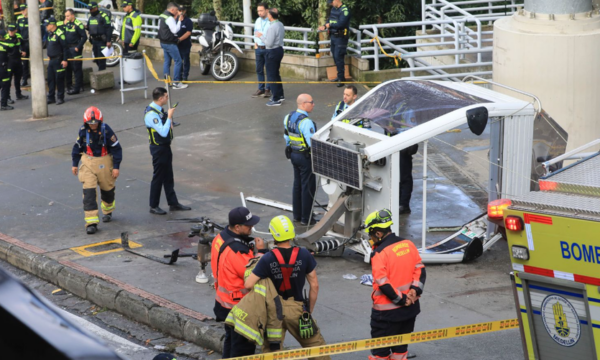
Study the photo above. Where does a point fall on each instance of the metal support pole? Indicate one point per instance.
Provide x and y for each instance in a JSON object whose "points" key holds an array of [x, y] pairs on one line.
{"points": [[145, 78], [121, 80], [376, 50], [39, 107], [424, 231], [247, 18]]}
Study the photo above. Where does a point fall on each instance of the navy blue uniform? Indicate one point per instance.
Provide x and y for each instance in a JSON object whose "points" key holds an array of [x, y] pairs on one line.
{"points": [[339, 31], [23, 26], [185, 47], [76, 38], [57, 51], [96, 142]]}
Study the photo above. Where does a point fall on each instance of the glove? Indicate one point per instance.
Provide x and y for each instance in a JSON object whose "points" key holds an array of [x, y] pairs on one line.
{"points": [[307, 326], [288, 152]]}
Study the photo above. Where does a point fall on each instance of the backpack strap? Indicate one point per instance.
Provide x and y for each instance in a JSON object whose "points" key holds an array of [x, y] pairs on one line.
{"points": [[286, 268]]}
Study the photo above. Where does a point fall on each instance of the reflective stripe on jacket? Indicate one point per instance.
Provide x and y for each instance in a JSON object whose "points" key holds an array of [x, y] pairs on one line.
{"points": [[164, 32], [132, 27], [259, 314], [398, 263], [292, 129], [153, 136]]}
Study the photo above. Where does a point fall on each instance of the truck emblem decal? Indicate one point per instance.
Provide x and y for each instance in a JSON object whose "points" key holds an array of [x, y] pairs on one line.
{"points": [[561, 320]]}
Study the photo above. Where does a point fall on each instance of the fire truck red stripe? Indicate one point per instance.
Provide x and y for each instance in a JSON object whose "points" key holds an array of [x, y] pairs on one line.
{"points": [[529, 218], [538, 271], [587, 280]]}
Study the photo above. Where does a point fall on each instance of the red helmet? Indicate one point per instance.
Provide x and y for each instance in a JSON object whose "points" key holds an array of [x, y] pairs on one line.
{"points": [[92, 116]]}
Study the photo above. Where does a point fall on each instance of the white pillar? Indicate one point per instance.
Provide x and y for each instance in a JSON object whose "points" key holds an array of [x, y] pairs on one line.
{"points": [[247, 19], [39, 107]]}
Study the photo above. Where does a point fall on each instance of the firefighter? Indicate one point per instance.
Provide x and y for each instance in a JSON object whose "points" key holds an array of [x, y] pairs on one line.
{"points": [[12, 43], [350, 95], [76, 38], [289, 267], [258, 316], [338, 25], [23, 27], [58, 52], [398, 280], [4, 79], [100, 29], [231, 251], [100, 153], [132, 27]]}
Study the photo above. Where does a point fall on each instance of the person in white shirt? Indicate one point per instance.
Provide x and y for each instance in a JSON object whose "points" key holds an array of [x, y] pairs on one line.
{"points": [[261, 26]]}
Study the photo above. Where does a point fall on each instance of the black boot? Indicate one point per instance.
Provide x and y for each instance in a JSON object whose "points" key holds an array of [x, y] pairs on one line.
{"points": [[107, 218], [22, 97], [92, 229], [6, 107]]}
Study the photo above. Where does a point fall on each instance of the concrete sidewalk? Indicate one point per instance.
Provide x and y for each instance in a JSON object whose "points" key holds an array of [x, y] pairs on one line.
{"points": [[228, 143]]}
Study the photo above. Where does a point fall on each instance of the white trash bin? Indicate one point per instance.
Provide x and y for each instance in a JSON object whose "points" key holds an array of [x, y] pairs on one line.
{"points": [[133, 67]]}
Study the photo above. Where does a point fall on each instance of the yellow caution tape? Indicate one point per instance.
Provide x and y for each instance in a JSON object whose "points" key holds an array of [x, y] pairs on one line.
{"points": [[83, 59], [395, 57], [388, 341]]}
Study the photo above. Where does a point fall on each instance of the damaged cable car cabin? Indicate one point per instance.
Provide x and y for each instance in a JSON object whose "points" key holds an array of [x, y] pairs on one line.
{"points": [[358, 167]]}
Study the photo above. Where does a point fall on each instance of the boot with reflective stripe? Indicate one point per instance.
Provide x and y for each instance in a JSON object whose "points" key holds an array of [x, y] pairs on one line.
{"points": [[375, 357]]}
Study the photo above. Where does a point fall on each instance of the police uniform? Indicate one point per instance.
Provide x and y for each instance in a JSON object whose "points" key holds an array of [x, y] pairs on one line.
{"points": [[340, 108], [100, 29], [298, 129], [58, 52], [4, 79], [160, 134], [76, 38], [23, 28], [13, 46], [45, 15], [339, 31], [100, 152], [229, 255], [131, 29]]}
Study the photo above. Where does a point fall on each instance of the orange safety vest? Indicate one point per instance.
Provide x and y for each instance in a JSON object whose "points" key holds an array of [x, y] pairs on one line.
{"points": [[228, 267], [398, 263]]}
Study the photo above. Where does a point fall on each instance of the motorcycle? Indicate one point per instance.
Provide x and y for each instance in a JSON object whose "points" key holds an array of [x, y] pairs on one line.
{"points": [[216, 56]]}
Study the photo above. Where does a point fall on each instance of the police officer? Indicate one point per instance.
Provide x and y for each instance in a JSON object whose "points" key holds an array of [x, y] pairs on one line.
{"points": [[160, 133], [289, 267], [58, 52], [350, 95], [408, 120], [102, 155], [339, 31], [131, 29], [4, 79], [12, 44], [23, 28], [100, 30], [298, 129], [398, 280], [76, 38], [45, 15], [231, 251]]}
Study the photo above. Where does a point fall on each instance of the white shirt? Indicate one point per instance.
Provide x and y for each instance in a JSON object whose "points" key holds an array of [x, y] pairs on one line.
{"points": [[173, 26], [261, 25]]}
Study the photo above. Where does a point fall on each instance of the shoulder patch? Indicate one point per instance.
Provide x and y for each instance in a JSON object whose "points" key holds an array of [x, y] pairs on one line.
{"points": [[345, 12], [113, 138], [312, 130], [155, 120]]}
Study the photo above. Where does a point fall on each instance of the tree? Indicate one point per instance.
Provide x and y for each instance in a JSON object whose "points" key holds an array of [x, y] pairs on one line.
{"points": [[140, 5], [9, 14], [218, 7], [59, 10]]}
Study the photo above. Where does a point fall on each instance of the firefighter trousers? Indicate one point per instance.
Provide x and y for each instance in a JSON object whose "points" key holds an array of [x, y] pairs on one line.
{"points": [[292, 310], [390, 328], [95, 171]]}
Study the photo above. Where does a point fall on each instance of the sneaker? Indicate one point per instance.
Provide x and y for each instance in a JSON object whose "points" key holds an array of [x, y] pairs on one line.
{"points": [[274, 103], [6, 107], [60, 101], [267, 94], [258, 93], [179, 85]]}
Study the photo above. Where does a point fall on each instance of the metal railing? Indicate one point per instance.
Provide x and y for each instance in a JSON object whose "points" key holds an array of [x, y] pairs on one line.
{"points": [[448, 30]]}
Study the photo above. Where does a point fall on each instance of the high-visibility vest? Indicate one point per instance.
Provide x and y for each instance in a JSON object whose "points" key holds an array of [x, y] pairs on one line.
{"points": [[153, 136], [292, 129]]}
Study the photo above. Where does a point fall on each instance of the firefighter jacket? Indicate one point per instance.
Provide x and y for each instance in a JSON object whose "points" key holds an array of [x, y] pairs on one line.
{"points": [[229, 255], [132, 28], [397, 268], [260, 313], [75, 34]]}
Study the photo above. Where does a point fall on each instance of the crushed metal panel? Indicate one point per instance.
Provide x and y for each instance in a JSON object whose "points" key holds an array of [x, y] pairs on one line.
{"points": [[549, 142], [517, 157]]}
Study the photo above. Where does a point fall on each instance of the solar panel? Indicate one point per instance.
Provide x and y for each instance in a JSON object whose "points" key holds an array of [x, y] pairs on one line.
{"points": [[336, 163]]}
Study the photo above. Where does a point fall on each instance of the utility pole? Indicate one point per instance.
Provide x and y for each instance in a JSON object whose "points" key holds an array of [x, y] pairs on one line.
{"points": [[247, 19], [39, 107]]}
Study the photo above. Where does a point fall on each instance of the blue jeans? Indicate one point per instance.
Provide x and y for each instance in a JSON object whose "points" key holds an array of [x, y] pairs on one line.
{"points": [[273, 64], [171, 51], [261, 59], [184, 51]]}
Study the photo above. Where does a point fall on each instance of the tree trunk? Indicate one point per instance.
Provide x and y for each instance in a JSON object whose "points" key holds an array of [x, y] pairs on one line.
{"points": [[9, 14], [322, 18], [217, 5], [119, 8], [140, 5], [59, 10]]}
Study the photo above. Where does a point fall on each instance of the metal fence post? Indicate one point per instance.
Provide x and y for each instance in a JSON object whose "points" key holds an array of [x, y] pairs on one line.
{"points": [[376, 49]]}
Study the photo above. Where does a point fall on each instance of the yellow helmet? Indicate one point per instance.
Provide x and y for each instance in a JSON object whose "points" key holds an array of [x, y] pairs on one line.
{"points": [[378, 219], [281, 228]]}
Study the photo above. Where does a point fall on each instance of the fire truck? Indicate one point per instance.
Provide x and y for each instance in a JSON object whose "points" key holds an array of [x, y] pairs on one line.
{"points": [[554, 244]]}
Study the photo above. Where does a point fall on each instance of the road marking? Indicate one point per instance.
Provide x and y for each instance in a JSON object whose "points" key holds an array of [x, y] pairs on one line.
{"points": [[83, 250]]}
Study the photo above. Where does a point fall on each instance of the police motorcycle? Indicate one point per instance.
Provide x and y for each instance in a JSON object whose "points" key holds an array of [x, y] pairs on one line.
{"points": [[216, 56]]}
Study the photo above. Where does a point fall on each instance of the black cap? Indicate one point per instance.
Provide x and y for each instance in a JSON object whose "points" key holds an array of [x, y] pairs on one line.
{"points": [[126, 3], [242, 216], [22, 7], [50, 21], [12, 26], [164, 356], [93, 4]]}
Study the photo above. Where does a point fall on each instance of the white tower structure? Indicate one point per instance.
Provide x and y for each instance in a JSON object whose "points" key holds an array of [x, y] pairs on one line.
{"points": [[551, 48]]}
